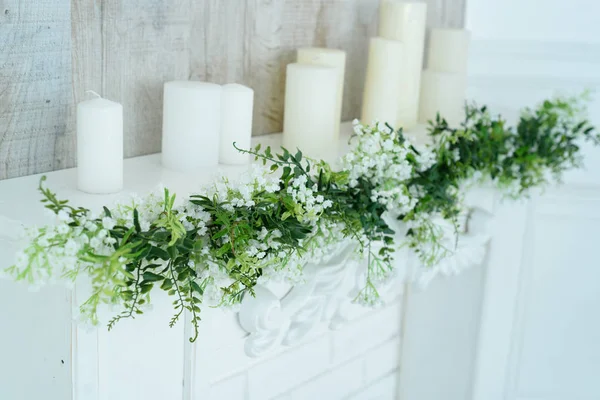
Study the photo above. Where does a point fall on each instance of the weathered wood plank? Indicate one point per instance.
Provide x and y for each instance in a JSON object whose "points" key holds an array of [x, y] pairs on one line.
{"points": [[145, 43], [35, 84], [348, 25], [126, 49], [218, 42], [274, 29], [86, 67]]}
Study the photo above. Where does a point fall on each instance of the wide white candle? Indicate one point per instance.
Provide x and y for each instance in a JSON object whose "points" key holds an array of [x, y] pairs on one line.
{"points": [[191, 125], [99, 146], [448, 50], [311, 93], [443, 93], [381, 99], [329, 58], [236, 123], [405, 22]]}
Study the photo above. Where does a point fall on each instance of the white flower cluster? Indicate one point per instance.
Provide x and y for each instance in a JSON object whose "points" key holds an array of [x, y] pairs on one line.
{"points": [[148, 207], [241, 192], [279, 263], [311, 206], [387, 161], [56, 252]]}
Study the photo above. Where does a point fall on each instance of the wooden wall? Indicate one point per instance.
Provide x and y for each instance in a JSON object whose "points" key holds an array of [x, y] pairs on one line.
{"points": [[52, 51]]}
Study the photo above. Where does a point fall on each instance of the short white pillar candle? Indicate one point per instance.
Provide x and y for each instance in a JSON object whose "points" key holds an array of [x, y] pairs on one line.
{"points": [[405, 21], [443, 93], [99, 146], [448, 50], [381, 99], [191, 125], [236, 123], [311, 93], [330, 58]]}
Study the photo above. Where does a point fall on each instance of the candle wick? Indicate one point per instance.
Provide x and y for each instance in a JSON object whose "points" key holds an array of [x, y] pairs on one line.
{"points": [[94, 93]]}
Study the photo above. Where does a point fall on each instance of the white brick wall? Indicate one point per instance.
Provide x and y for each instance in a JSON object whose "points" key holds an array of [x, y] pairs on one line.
{"points": [[359, 362]]}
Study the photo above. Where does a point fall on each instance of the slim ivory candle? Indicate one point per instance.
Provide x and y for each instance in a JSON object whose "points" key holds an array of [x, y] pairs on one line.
{"points": [[236, 123], [329, 58], [443, 92], [191, 125], [381, 99], [311, 93], [405, 22], [99, 146], [448, 50]]}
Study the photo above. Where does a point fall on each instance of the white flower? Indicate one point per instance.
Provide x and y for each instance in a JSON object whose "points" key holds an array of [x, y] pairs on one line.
{"points": [[63, 216], [108, 223], [90, 226], [95, 243], [71, 247]]}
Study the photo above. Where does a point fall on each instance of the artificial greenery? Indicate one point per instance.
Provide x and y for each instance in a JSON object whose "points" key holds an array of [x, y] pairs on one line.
{"points": [[216, 246]]}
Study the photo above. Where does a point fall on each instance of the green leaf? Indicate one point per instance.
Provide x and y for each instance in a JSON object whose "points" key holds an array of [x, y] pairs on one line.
{"points": [[145, 287], [107, 212], [136, 221], [220, 233], [172, 251], [167, 285], [152, 277], [197, 288], [157, 252]]}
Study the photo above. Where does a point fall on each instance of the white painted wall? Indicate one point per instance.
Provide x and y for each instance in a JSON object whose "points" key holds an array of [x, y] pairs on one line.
{"points": [[535, 20]]}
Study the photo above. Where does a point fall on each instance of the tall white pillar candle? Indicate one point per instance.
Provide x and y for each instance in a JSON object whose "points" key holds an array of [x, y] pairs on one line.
{"points": [[381, 99], [448, 50], [405, 22], [99, 146], [191, 125], [443, 93], [329, 58], [236, 123], [311, 93]]}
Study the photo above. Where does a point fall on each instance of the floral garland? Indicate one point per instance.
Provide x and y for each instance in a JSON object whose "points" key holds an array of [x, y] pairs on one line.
{"points": [[218, 245]]}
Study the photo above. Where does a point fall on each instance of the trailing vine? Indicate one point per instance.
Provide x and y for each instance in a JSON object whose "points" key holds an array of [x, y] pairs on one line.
{"points": [[216, 246]]}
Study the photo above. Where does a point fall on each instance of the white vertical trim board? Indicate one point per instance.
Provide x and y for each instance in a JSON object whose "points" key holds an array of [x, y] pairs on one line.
{"points": [[501, 285]]}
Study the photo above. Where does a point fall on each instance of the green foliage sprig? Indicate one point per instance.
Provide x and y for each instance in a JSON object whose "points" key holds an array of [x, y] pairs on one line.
{"points": [[216, 246]]}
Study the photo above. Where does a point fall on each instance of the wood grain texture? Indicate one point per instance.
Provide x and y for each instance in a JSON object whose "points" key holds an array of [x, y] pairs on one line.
{"points": [[35, 84], [52, 51]]}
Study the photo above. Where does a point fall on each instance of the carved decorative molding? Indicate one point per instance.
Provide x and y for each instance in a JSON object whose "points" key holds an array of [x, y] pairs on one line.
{"points": [[329, 286], [272, 321]]}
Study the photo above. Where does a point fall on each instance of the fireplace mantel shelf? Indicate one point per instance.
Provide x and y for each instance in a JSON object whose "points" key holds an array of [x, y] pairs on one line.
{"points": [[278, 317]]}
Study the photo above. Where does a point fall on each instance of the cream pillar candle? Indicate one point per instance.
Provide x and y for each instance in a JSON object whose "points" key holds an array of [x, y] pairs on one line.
{"points": [[405, 22], [443, 93], [99, 146], [448, 50], [329, 58], [381, 99], [236, 123], [191, 125], [311, 93]]}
